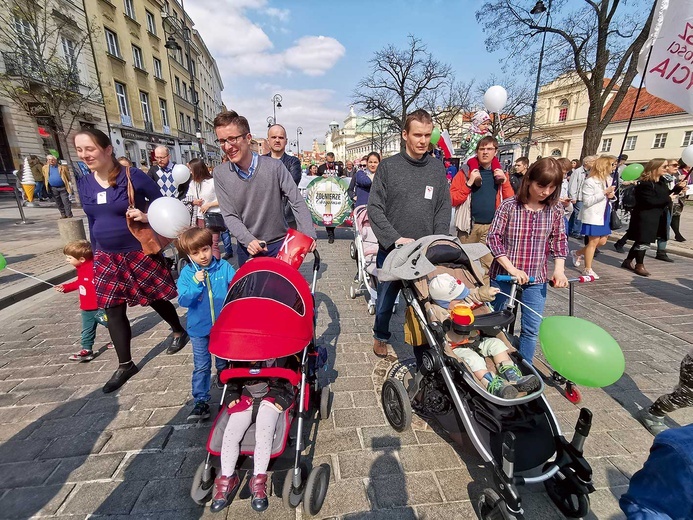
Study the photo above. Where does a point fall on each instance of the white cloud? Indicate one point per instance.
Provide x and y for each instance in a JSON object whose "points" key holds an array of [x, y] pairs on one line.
{"points": [[314, 55]]}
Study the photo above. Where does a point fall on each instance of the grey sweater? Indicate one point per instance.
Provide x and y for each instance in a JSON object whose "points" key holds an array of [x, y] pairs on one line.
{"points": [[253, 208], [409, 198]]}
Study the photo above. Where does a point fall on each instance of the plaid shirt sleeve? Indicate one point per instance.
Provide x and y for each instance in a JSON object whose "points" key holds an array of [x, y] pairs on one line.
{"points": [[558, 241]]}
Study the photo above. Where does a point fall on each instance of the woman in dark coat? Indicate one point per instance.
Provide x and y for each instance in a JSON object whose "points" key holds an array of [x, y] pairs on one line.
{"points": [[648, 221]]}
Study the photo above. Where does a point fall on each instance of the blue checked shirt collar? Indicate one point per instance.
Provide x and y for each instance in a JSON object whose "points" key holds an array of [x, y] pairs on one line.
{"points": [[251, 170]]}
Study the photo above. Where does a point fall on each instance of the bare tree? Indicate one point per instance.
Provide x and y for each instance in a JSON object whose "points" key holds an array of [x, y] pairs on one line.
{"points": [[449, 103], [398, 81], [598, 41], [42, 71]]}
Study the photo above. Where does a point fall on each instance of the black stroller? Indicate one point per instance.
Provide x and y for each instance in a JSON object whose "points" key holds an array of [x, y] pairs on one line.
{"points": [[519, 437]]}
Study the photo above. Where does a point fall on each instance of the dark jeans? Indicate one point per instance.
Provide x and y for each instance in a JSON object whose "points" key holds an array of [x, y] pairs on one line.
{"points": [[575, 222], [41, 190], [62, 198], [387, 294], [272, 250]]}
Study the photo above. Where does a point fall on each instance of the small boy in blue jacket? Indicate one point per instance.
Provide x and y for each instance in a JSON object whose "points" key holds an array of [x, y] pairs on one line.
{"points": [[202, 288]]}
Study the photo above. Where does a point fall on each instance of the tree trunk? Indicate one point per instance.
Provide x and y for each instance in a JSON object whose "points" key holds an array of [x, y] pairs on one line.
{"points": [[592, 136], [62, 139]]}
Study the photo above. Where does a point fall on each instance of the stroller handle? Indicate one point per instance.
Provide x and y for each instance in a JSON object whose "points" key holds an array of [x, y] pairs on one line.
{"points": [[508, 278], [316, 261], [579, 279]]}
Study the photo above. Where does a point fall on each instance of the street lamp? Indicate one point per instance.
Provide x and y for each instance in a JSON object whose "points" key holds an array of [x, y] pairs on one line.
{"points": [[538, 8], [184, 32], [270, 121], [276, 103], [299, 131]]}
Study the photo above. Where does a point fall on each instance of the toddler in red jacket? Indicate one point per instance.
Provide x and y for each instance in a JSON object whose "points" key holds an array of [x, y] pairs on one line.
{"points": [[79, 255]]}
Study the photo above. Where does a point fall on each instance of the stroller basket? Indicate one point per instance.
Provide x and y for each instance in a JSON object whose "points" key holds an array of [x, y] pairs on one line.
{"points": [[260, 373]]}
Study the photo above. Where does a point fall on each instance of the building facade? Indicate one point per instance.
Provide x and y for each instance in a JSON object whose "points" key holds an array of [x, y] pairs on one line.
{"points": [[358, 136], [38, 37]]}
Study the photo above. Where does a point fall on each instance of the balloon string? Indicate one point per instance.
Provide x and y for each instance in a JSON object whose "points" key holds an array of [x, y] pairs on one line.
{"points": [[518, 301], [29, 276]]}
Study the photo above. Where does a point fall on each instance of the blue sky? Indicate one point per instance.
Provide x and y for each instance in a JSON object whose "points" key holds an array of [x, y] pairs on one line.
{"points": [[314, 52]]}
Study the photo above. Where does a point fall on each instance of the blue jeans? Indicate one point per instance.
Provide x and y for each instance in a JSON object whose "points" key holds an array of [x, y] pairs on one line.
{"points": [[575, 222], [534, 297], [662, 241], [40, 190], [226, 238], [272, 250], [202, 371], [387, 294]]}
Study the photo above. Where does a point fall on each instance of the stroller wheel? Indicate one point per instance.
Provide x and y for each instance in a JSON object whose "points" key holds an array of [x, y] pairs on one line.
{"points": [[325, 398], [396, 404], [570, 502], [573, 394], [490, 506], [316, 489], [292, 496], [352, 250], [371, 309], [352, 292], [202, 484]]}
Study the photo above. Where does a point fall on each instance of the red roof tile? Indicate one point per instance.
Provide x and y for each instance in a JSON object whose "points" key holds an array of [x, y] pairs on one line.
{"points": [[648, 106]]}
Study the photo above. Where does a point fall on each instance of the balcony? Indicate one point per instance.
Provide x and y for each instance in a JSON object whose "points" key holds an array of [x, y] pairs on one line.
{"points": [[125, 120], [30, 69]]}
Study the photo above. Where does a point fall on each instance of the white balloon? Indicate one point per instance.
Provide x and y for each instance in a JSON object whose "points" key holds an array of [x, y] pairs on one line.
{"points": [[687, 155], [181, 174], [168, 216], [495, 98]]}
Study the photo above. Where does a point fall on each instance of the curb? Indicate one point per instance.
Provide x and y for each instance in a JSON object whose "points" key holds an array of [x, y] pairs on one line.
{"points": [[29, 287]]}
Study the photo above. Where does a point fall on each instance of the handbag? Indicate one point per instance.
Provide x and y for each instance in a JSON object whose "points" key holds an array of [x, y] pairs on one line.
{"points": [[214, 222], [615, 222], [151, 241]]}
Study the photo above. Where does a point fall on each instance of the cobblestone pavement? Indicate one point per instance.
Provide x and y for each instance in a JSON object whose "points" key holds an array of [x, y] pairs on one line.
{"points": [[69, 451]]}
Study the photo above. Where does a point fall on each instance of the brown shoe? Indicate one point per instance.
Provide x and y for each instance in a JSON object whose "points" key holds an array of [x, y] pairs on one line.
{"points": [[640, 269], [627, 264], [380, 348]]}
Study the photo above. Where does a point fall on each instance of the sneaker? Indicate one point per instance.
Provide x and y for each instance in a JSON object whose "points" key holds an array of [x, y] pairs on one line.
{"points": [[577, 260], [224, 487], [258, 491], [199, 413], [653, 423], [590, 272], [82, 355], [512, 375], [501, 388]]}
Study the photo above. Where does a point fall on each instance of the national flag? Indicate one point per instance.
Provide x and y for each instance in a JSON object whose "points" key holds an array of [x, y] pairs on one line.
{"points": [[669, 73], [445, 144]]}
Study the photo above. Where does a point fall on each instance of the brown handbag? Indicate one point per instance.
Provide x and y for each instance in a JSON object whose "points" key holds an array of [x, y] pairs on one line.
{"points": [[152, 242]]}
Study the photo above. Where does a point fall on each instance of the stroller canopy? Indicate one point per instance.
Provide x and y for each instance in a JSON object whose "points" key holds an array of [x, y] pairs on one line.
{"points": [[268, 313]]}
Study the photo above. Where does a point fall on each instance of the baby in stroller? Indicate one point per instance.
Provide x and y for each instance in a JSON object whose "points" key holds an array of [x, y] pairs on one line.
{"points": [[260, 402], [452, 306]]}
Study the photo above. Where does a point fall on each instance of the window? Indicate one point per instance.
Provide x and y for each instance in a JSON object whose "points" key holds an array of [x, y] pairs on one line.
{"points": [[177, 83], [69, 52], [151, 23], [606, 145], [185, 90], [157, 69], [687, 138], [563, 110], [112, 43], [555, 152], [181, 121], [164, 112], [630, 142], [137, 57], [660, 141], [130, 9], [189, 123], [122, 99], [146, 111]]}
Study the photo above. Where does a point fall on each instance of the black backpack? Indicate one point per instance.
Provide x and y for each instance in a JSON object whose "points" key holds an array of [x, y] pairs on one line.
{"points": [[628, 198]]}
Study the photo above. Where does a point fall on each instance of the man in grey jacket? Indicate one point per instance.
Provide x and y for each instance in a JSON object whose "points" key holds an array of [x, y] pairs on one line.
{"points": [[250, 189], [409, 199]]}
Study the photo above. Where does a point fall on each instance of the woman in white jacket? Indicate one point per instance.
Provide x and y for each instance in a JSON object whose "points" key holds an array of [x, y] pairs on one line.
{"points": [[596, 212]]}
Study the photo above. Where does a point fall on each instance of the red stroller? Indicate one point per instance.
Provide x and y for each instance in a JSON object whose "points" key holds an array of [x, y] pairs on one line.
{"points": [[269, 312]]}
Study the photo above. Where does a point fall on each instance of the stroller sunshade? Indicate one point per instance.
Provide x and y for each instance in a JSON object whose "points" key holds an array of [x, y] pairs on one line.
{"points": [[268, 313]]}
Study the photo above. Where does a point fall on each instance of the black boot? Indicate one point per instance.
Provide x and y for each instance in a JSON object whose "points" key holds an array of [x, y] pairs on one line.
{"points": [[120, 376], [662, 255], [618, 245], [675, 223]]}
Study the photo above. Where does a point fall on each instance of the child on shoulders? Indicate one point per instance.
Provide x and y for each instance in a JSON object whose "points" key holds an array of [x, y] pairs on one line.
{"points": [[202, 288]]}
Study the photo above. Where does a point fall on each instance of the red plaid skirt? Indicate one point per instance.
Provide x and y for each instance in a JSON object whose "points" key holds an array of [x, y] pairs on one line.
{"points": [[133, 278]]}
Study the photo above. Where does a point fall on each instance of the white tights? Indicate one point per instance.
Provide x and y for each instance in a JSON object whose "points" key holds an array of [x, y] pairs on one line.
{"points": [[238, 424]]}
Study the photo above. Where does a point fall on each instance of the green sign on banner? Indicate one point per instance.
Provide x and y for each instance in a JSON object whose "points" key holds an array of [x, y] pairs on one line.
{"points": [[328, 201]]}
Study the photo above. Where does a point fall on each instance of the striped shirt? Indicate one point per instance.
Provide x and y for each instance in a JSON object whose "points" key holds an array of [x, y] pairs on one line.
{"points": [[527, 238]]}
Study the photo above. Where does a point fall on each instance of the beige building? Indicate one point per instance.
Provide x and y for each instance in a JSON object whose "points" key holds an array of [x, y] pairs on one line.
{"points": [[62, 30], [358, 137]]}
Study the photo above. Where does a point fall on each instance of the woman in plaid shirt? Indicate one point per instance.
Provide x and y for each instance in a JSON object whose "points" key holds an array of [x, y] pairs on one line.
{"points": [[526, 229]]}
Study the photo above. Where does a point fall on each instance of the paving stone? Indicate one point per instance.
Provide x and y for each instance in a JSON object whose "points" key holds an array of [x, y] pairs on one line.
{"points": [[151, 466], [67, 426], [635, 441], [344, 497], [21, 450], [459, 484], [29, 501], [126, 419], [604, 504], [352, 383], [429, 457], [449, 511], [358, 417], [399, 513], [104, 498], [188, 438], [26, 474], [361, 464], [17, 430], [628, 465], [365, 399], [602, 445], [338, 440], [384, 437], [167, 399], [137, 439], [107, 406], [400, 490], [81, 444], [80, 469]]}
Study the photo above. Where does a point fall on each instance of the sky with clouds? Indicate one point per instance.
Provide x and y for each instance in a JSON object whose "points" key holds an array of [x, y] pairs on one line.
{"points": [[313, 52]]}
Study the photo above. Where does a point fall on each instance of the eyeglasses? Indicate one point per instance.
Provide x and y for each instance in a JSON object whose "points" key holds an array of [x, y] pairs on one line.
{"points": [[233, 140], [363, 165]]}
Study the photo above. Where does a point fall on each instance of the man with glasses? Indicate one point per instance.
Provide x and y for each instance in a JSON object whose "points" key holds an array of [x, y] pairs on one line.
{"points": [[161, 173], [486, 192], [250, 189], [276, 137]]}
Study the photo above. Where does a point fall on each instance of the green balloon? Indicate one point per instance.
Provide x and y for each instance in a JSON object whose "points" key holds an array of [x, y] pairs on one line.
{"points": [[3, 262], [581, 351], [632, 172], [435, 136]]}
